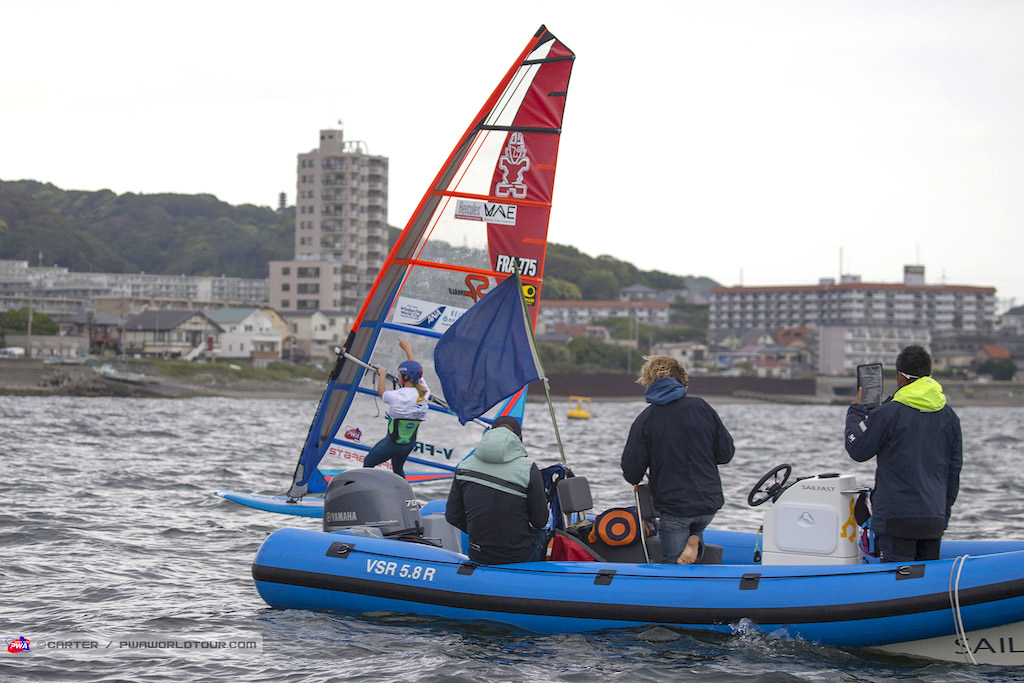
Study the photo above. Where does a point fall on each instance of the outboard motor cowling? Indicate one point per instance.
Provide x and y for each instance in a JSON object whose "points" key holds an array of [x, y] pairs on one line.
{"points": [[374, 498]]}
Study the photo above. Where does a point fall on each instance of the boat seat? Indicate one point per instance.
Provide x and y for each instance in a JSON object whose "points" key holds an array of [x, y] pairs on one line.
{"points": [[646, 502], [570, 547], [602, 552], [635, 553], [712, 554], [436, 527], [574, 495], [629, 553], [575, 498]]}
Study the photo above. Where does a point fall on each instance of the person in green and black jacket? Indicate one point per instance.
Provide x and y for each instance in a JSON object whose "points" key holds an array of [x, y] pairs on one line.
{"points": [[498, 499]]}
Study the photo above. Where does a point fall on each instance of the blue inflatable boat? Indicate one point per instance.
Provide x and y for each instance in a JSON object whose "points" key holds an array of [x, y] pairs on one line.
{"points": [[803, 576]]}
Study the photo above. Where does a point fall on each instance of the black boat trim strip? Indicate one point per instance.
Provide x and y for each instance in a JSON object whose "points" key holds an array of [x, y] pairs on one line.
{"points": [[813, 614]]}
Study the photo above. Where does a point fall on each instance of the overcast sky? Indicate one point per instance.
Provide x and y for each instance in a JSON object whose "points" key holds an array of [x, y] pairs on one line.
{"points": [[754, 142]]}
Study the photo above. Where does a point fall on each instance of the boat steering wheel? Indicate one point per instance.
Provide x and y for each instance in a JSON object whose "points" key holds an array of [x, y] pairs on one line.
{"points": [[769, 492]]}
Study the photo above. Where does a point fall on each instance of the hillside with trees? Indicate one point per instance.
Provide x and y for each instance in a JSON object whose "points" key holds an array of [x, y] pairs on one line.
{"points": [[585, 277], [200, 235], [161, 233]]}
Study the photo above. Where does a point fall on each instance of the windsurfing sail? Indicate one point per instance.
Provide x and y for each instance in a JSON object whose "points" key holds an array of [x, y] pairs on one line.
{"points": [[484, 215]]}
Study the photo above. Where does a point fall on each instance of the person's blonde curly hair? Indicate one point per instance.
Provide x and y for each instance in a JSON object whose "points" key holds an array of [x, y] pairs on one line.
{"points": [[656, 367]]}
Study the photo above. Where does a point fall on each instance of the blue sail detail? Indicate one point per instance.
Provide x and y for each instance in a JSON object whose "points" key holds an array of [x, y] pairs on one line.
{"points": [[488, 354]]}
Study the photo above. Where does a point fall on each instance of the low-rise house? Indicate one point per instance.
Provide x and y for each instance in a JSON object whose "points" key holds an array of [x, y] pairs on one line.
{"points": [[689, 353], [959, 363], [638, 293], [1012, 322], [171, 333], [733, 362], [768, 367], [49, 346], [251, 333], [102, 329], [800, 334], [314, 335], [987, 352], [726, 339]]}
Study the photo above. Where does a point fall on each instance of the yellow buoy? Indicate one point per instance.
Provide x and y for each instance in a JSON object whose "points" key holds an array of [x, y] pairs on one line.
{"points": [[579, 407]]}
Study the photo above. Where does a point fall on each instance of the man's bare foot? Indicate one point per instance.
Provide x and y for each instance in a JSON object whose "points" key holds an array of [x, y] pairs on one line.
{"points": [[689, 554]]}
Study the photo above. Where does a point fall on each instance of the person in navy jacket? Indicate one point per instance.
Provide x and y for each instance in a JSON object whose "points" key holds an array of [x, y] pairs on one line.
{"points": [[680, 440], [919, 448]]}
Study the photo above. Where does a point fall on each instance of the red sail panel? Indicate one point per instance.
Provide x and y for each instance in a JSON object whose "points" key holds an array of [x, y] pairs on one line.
{"points": [[526, 171]]}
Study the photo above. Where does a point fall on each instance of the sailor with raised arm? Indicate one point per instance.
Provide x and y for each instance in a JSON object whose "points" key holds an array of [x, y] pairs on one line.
{"points": [[407, 408]]}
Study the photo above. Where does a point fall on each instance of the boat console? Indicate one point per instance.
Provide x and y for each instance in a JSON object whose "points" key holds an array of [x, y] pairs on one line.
{"points": [[811, 520]]}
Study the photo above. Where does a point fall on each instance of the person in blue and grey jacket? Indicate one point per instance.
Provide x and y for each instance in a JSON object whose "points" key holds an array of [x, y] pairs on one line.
{"points": [[917, 440], [498, 499]]}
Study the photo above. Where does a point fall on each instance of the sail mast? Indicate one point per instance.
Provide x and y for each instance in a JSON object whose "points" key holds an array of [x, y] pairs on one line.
{"points": [[544, 377]]}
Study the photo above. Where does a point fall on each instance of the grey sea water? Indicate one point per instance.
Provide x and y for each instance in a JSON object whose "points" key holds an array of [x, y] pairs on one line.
{"points": [[110, 534]]}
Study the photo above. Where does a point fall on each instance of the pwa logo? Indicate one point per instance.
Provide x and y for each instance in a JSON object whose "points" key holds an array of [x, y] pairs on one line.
{"points": [[513, 164], [17, 645], [353, 433]]}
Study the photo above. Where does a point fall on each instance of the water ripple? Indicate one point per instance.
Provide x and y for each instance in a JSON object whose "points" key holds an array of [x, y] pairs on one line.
{"points": [[109, 528]]}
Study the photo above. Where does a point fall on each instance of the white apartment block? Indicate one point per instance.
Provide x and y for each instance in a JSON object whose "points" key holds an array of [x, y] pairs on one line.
{"points": [[341, 229], [56, 290], [589, 312], [852, 302], [841, 348]]}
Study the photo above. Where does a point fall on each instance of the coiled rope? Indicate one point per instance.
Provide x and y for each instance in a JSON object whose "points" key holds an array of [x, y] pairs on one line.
{"points": [[954, 604]]}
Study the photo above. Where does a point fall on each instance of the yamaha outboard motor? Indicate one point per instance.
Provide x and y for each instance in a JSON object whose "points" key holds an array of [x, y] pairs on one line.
{"points": [[373, 498]]}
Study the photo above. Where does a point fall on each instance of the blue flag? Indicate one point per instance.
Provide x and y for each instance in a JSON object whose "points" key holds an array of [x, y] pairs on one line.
{"points": [[488, 354]]}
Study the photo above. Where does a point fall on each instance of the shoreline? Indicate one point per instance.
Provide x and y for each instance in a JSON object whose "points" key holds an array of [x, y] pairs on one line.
{"points": [[35, 378], [23, 377]]}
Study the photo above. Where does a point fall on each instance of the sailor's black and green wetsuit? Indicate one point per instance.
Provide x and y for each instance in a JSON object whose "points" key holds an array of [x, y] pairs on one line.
{"points": [[406, 411]]}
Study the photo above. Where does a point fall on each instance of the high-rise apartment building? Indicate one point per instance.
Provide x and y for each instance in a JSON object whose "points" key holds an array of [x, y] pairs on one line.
{"points": [[341, 229]]}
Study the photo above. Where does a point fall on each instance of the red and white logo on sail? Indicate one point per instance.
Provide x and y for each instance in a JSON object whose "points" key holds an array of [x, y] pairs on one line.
{"points": [[513, 164]]}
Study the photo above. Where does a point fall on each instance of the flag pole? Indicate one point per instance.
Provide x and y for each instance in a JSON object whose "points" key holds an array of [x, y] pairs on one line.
{"points": [[544, 379]]}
